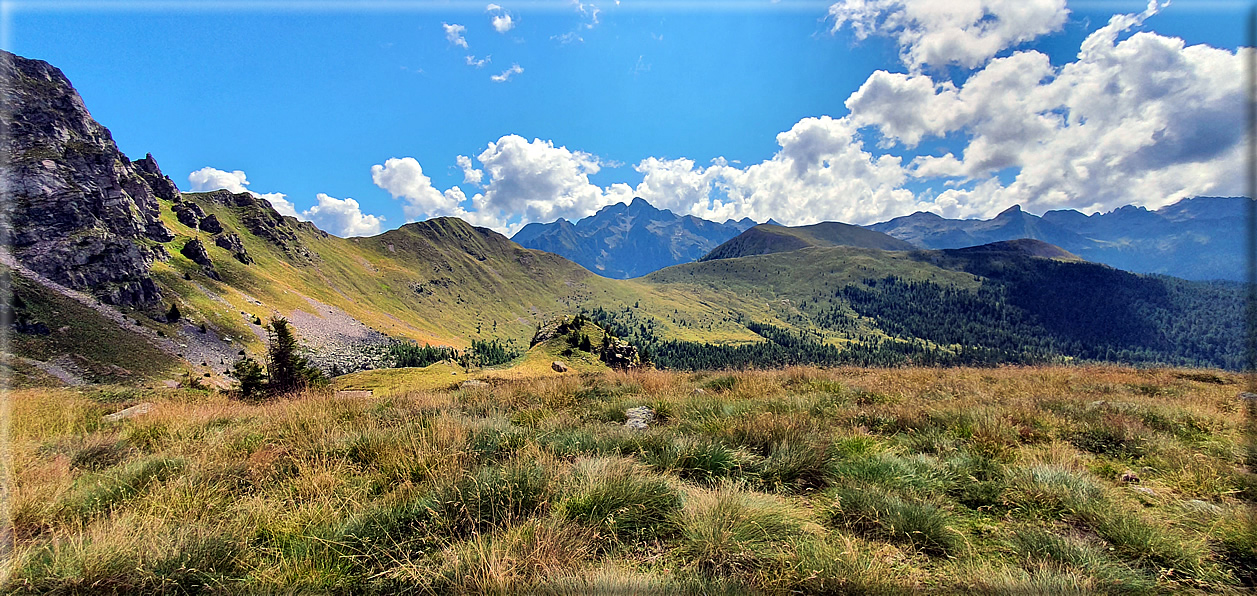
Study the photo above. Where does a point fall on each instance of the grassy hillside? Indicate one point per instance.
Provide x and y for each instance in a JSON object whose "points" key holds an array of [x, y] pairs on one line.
{"points": [[766, 239], [996, 481], [444, 282]]}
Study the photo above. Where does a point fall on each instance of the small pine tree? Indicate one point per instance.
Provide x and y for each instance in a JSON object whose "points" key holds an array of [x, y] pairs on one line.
{"points": [[288, 370], [252, 379], [585, 344], [173, 315]]}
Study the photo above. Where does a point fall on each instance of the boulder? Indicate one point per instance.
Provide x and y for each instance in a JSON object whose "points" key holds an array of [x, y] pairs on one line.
{"points": [[188, 213], [232, 242], [210, 224], [639, 418], [131, 412], [558, 367], [195, 251]]}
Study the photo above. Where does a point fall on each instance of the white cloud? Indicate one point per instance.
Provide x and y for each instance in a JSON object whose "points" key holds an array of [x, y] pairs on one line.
{"points": [[342, 217], [540, 182], [454, 34], [470, 174], [208, 178], [963, 32], [819, 173], [478, 63], [492, 7], [502, 23], [404, 179], [507, 74], [1145, 120]]}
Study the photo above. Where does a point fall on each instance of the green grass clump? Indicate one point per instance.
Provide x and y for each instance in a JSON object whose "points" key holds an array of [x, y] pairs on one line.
{"points": [[732, 532], [1039, 549], [98, 493], [1045, 490], [878, 512], [613, 497]]}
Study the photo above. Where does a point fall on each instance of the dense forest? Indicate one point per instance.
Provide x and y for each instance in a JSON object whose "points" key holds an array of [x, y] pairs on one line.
{"points": [[1023, 311]]}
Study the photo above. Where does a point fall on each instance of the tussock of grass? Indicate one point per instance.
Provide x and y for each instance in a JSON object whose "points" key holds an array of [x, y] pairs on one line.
{"points": [[729, 532], [795, 481], [881, 513], [613, 496]]}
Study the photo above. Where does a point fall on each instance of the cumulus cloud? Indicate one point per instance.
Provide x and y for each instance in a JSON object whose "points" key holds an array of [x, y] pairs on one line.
{"points": [[538, 181], [454, 34], [208, 178], [1144, 120], [962, 32], [1135, 118], [404, 179], [820, 172], [507, 74], [342, 217], [478, 62], [470, 174]]}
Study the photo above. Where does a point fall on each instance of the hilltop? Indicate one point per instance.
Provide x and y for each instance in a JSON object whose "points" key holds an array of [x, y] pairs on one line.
{"points": [[771, 238]]}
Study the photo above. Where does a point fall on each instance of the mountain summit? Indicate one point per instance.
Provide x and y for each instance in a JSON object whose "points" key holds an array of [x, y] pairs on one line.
{"points": [[630, 240]]}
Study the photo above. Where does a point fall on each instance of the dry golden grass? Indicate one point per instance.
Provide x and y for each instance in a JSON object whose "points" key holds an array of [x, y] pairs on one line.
{"points": [[802, 480]]}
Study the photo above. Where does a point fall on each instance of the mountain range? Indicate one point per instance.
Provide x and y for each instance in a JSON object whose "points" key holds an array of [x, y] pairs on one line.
{"points": [[623, 241], [1195, 238], [118, 276], [1199, 238]]}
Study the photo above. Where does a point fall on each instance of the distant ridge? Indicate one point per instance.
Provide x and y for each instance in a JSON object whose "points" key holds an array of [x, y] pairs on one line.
{"points": [[1023, 246], [773, 238], [623, 241], [1198, 238]]}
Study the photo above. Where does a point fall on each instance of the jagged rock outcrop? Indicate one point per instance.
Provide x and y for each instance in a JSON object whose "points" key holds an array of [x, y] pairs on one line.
{"points": [[79, 211], [232, 242], [188, 213], [195, 251], [618, 353], [211, 224], [260, 218], [163, 187]]}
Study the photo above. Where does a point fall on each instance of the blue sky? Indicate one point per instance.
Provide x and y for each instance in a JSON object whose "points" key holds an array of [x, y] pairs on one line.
{"points": [[852, 111]]}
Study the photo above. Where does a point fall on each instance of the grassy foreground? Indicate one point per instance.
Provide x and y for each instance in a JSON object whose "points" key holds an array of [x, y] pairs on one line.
{"points": [[797, 481]]}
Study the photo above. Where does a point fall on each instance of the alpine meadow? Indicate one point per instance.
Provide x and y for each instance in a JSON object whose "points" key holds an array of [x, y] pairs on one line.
{"points": [[845, 297]]}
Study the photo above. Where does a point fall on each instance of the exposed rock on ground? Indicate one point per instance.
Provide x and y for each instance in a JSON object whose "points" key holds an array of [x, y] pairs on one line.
{"points": [[558, 366], [210, 224], [639, 418], [232, 242], [188, 213], [80, 212]]}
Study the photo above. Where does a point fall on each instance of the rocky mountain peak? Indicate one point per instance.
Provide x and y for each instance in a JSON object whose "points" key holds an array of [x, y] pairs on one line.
{"points": [[79, 211]]}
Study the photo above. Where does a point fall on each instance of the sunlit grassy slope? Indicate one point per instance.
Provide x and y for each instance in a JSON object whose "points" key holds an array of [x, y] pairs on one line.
{"points": [[445, 282], [995, 481]]}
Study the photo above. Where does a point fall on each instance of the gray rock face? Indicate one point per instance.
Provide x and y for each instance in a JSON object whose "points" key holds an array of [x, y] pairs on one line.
{"points": [[195, 251], [163, 187], [211, 224], [79, 211], [233, 243], [188, 213]]}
